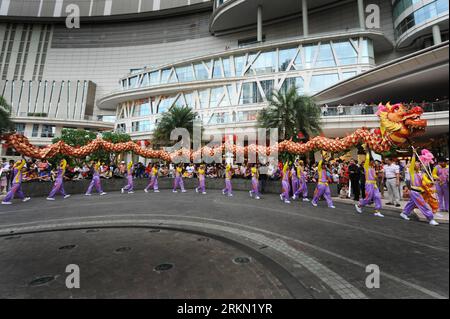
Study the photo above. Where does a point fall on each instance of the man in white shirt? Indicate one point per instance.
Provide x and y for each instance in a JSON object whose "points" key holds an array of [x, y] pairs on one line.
{"points": [[392, 178]]}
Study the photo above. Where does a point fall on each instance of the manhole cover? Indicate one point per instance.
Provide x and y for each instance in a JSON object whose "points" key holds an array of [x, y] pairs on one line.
{"points": [[12, 237], [41, 281], [154, 231], [92, 231], [203, 239], [67, 247], [123, 249], [163, 267], [241, 260]]}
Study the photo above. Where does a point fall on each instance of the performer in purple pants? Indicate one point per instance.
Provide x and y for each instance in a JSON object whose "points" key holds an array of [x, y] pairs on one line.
{"points": [[372, 192], [228, 190], [255, 183], [201, 180], [178, 182], [302, 189], [153, 180], [58, 187], [323, 189], [440, 174], [16, 189], [294, 179], [96, 181], [130, 183], [416, 198], [285, 186]]}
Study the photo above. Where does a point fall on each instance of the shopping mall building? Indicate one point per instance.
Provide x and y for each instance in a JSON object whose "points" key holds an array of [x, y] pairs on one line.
{"points": [[132, 60]]}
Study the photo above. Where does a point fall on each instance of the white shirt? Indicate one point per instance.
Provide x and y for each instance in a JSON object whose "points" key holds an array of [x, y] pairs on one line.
{"points": [[391, 171]]}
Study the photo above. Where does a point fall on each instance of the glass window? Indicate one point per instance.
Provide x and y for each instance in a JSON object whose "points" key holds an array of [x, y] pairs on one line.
{"points": [[239, 62], [249, 94], [325, 58], [226, 101], [264, 64], [142, 126], [310, 53], [217, 70], [48, 131], [323, 81], [367, 55], [190, 101], [216, 96], [267, 87], [133, 81], [180, 102], [121, 128], [142, 108], [201, 72], [247, 116], [124, 84], [348, 75], [345, 52], [185, 74], [204, 98], [296, 82], [227, 67], [20, 128], [154, 78], [165, 76], [286, 57], [165, 104], [145, 80]]}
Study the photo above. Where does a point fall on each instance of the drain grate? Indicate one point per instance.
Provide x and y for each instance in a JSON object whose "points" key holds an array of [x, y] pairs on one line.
{"points": [[67, 247], [122, 249], [242, 260], [163, 267], [41, 281]]}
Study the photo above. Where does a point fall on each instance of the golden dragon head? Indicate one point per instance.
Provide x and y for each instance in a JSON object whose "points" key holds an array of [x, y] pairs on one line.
{"points": [[399, 123]]}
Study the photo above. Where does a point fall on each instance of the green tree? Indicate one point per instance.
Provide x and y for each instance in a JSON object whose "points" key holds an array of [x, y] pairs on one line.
{"points": [[176, 117], [6, 125]]}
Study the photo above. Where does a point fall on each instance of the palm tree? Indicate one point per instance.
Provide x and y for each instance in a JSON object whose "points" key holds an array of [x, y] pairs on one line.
{"points": [[291, 114], [176, 117], [6, 124]]}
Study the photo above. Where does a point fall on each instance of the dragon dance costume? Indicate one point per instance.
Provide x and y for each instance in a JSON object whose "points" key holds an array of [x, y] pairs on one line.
{"points": [[16, 189], [201, 181], [440, 174], [96, 181], [285, 186], [255, 184], [302, 188], [323, 189], [178, 182], [416, 198], [153, 181], [372, 192], [228, 190], [130, 186], [58, 187]]}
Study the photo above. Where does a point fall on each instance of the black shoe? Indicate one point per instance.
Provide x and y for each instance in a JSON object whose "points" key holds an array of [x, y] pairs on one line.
{"points": [[390, 204], [398, 205]]}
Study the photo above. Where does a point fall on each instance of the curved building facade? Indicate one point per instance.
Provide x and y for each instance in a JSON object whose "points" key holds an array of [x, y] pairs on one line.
{"points": [[128, 64]]}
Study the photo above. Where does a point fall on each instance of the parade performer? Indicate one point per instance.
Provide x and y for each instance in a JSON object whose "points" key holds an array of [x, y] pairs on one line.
{"points": [[294, 179], [96, 181], [255, 183], [228, 190], [285, 186], [372, 192], [130, 186], [302, 185], [58, 187], [416, 198], [440, 174], [201, 180], [16, 189], [323, 188], [178, 182], [153, 180]]}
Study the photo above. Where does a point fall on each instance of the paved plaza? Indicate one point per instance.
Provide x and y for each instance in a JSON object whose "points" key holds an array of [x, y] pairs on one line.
{"points": [[193, 246]]}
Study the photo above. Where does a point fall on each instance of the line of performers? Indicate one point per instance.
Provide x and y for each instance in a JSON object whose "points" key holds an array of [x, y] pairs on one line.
{"points": [[293, 177]]}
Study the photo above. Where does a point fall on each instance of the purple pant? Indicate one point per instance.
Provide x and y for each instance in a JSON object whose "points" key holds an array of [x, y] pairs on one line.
{"points": [[372, 195], [302, 189], [255, 187], [178, 183], [95, 183], [285, 189], [201, 185], [130, 185], [442, 192], [295, 184], [228, 188], [322, 190], [15, 191], [416, 200], [153, 183], [58, 187]]}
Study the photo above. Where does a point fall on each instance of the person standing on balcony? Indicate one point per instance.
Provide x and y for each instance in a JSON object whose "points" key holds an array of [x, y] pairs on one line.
{"points": [[16, 189], [440, 174], [392, 178], [58, 187], [130, 185]]}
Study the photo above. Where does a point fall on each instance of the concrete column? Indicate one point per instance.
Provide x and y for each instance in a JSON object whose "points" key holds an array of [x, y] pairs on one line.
{"points": [[305, 18], [437, 38], [260, 24], [361, 14]]}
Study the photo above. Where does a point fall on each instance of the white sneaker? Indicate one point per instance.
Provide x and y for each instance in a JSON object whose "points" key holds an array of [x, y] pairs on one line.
{"points": [[184, 191], [403, 215], [294, 197], [122, 191], [196, 190], [230, 195], [174, 191], [157, 191], [50, 199], [130, 192], [103, 194], [332, 207], [434, 223], [145, 190], [358, 209], [223, 192], [87, 194], [67, 196], [287, 202], [204, 193], [26, 199], [257, 197], [251, 194], [314, 204], [305, 199], [378, 214], [281, 197], [6, 203]]}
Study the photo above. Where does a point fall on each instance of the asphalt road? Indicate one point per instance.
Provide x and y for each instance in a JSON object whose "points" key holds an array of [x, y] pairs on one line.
{"points": [[217, 247]]}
